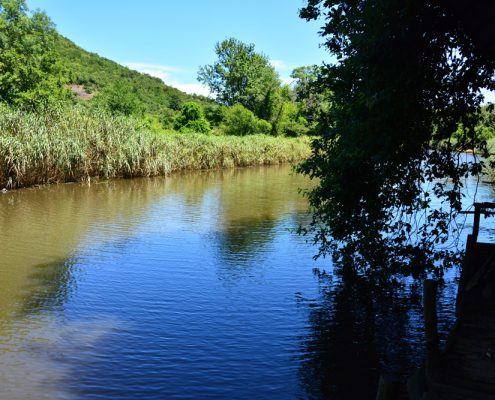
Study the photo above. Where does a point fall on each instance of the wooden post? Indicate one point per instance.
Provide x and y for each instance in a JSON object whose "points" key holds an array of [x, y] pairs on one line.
{"points": [[476, 224], [388, 388], [467, 271], [430, 316]]}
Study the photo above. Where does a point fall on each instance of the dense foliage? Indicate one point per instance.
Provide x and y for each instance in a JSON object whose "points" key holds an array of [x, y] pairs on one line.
{"points": [[121, 98], [192, 119], [312, 97], [39, 68], [240, 75], [141, 94], [244, 79], [240, 121], [407, 75], [120, 90], [30, 71]]}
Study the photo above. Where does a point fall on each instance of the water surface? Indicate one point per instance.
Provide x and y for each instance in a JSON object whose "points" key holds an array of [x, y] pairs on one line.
{"points": [[187, 287]]}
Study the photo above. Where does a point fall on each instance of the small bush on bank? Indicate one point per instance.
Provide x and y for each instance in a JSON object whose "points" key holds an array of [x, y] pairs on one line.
{"points": [[239, 121], [192, 119]]}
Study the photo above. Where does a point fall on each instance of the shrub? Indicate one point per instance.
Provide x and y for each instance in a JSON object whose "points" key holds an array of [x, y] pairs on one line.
{"points": [[192, 119], [297, 127], [152, 123], [264, 127], [167, 118], [240, 121], [214, 113]]}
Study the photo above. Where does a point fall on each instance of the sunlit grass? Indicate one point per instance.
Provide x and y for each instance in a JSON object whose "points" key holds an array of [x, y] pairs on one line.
{"points": [[75, 145]]}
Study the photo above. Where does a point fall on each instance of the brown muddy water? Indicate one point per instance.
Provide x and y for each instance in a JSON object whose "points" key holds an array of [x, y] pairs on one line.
{"points": [[188, 287]]}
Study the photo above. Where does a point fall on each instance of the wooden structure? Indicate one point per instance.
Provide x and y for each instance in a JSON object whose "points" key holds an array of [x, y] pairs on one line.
{"points": [[465, 368]]}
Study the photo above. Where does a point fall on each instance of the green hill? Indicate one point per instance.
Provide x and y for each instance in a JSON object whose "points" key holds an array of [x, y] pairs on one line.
{"points": [[100, 76]]}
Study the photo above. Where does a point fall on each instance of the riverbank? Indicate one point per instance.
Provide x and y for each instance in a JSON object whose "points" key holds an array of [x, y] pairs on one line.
{"points": [[77, 145]]}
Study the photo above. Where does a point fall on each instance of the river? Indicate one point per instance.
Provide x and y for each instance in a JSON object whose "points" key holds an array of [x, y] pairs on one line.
{"points": [[192, 286]]}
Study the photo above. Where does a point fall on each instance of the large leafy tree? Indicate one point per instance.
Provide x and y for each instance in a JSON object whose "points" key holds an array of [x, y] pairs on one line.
{"points": [[241, 75], [407, 75], [30, 74], [313, 98]]}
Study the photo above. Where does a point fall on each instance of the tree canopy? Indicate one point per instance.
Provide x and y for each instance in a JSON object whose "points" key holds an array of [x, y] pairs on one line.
{"points": [[241, 75], [407, 75], [313, 98], [30, 72]]}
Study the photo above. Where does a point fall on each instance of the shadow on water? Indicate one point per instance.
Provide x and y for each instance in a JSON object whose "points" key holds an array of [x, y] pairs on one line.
{"points": [[357, 333]]}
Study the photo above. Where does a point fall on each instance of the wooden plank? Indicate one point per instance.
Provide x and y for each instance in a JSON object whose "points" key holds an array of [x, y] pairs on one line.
{"points": [[430, 317]]}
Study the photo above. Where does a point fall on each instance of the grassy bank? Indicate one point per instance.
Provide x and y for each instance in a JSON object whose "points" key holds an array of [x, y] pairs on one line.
{"points": [[76, 145]]}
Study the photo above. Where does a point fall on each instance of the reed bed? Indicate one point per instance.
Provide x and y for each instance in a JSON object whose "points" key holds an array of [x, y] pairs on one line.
{"points": [[76, 145]]}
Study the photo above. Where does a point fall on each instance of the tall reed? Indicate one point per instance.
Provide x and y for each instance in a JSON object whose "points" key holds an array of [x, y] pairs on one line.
{"points": [[74, 144]]}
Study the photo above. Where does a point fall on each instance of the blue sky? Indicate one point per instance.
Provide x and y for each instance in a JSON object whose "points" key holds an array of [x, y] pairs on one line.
{"points": [[172, 39]]}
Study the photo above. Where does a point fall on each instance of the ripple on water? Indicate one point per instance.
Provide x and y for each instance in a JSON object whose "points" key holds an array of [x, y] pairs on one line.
{"points": [[192, 286]]}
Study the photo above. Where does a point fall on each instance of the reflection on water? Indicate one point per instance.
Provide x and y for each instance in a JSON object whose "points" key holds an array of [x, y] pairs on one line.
{"points": [[178, 287], [192, 286], [37, 365], [48, 287], [357, 333]]}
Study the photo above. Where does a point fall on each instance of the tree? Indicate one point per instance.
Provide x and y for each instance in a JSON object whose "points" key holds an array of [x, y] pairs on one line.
{"points": [[30, 73], [175, 102], [313, 99], [191, 118], [286, 119], [240, 75], [407, 73]]}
